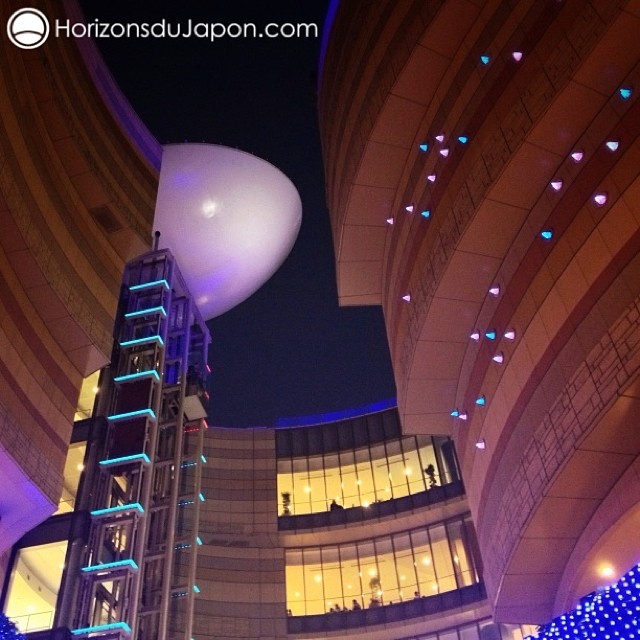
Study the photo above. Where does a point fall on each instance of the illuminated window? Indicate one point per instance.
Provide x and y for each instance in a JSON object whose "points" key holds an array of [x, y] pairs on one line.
{"points": [[73, 467], [33, 588], [365, 475], [87, 396], [381, 571]]}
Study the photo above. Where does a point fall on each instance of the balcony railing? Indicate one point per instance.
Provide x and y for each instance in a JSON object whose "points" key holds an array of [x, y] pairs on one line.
{"points": [[387, 614], [374, 510]]}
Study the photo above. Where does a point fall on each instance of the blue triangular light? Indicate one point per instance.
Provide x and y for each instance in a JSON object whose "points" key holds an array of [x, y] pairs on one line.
{"points": [[491, 335], [463, 139], [625, 92], [546, 234], [426, 213], [481, 401], [485, 59], [424, 147], [455, 413]]}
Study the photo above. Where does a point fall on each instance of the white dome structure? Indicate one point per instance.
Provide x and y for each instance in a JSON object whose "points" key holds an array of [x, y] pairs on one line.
{"points": [[230, 219]]}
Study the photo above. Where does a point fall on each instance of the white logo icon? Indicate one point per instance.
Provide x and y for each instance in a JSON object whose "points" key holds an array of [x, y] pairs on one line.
{"points": [[28, 28]]}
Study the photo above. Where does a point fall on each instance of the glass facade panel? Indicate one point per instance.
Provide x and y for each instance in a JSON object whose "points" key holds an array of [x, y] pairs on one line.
{"points": [[413, 470], [423, 558], [33, 589], [86, 399], [442, 559], [405, 567], [365, 475], [349, 476], [313, 587], [378, 572], [332, 479], [73, 468], [295, 584], [331, 578], [462, 561]]}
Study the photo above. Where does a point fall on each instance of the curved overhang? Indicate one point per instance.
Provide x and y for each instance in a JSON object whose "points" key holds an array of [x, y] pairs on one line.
{"points": [[229, 217]]}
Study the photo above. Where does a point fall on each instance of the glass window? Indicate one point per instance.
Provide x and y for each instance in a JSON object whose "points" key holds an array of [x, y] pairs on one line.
{"points": [[34, 585], [429, 463], [332, 578], [462, 561], [332, 479], [301, 498], [364, 477], [285, 487], [318, 492], [360, 477], [295, 583], [423, 557], [442, 559], [87, 397], [350, 489], [405, 567], [314, 591], [73, 468], [351, 580], [389, 591], [375, 572], [412, 469]]}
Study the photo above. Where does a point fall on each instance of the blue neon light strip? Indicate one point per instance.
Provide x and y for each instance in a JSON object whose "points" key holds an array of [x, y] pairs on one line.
{"points": [[136, 457], [112, 626], [146, 312], [133, 414], [118, 509], [133, 343], [149, 285], [120, 564], [140, 374]]}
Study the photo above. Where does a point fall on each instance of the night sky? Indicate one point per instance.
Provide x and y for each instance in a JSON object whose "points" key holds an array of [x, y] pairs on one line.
{"points": [[289, 350]]}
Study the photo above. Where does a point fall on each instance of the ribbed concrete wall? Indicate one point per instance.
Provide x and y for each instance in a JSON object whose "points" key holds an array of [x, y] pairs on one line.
{"points": [[240, 565]]}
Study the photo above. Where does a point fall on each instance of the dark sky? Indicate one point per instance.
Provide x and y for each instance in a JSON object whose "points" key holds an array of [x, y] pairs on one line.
{"points": [[289, 350]]}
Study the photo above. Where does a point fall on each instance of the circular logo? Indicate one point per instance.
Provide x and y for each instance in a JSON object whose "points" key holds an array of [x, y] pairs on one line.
{"points": [[28, 28]]}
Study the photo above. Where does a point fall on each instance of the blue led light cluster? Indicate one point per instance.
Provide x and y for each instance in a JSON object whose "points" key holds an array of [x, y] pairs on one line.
{"points": [[608, 614]]}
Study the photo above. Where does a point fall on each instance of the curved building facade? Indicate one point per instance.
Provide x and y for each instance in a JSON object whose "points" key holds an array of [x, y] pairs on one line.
{"points": [[77, 191], [396, 567], [482, 179]]}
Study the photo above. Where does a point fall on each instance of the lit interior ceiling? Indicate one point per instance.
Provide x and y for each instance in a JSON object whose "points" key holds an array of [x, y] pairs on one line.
{"points": [[229, 218]]}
